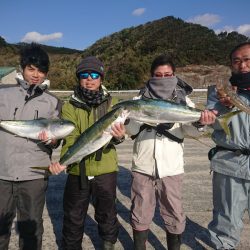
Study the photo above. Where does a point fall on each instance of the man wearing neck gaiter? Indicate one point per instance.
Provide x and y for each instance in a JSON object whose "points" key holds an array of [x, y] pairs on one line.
{"points": [[94, 178], [158, 165], [231, 160]]}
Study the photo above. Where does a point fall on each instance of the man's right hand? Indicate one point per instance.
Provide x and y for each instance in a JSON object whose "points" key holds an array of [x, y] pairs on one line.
{"points": [[55, 168], [208, 117]]}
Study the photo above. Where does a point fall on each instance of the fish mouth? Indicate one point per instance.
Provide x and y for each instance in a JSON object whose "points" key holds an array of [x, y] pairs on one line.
{"points": [[125, 112]]}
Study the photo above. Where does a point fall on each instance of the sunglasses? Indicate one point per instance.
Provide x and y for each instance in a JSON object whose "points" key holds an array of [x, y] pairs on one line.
{"points": [[86, 75], [163, 75]]}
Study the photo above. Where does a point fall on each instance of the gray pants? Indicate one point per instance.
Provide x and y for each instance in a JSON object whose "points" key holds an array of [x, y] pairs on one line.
{"points": [[230, 200], [146, 191], [26, 199]]}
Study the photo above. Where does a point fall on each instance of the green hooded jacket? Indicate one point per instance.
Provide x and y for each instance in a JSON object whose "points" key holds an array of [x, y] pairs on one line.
{"points": [[83, 117]]}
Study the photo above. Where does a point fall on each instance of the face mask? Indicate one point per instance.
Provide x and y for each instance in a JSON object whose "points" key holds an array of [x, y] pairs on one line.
{"points": [[161, 88], [241, 80]]}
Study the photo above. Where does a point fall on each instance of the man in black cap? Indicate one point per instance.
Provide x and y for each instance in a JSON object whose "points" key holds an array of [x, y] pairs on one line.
{"points": [[90, 63], [96, 175]]}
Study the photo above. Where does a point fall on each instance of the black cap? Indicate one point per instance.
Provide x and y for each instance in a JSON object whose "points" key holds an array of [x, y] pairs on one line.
{"points": [[90, 63]]}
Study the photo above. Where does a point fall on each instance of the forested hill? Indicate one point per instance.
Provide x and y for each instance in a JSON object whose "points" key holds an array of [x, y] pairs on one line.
{"points": [[127, 54]]}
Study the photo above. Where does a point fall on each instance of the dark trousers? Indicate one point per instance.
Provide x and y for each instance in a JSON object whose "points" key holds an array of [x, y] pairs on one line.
{"points": [[26, 199], [102, 190]]}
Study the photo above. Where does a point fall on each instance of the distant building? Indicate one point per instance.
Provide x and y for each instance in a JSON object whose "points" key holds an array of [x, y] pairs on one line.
{"points": [[8, 75]]}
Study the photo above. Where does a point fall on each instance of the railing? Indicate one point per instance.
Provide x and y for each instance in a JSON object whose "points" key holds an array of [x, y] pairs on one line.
{"points": [[198, 95]]}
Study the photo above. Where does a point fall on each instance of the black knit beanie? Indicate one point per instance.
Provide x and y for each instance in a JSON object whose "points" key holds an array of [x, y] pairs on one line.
{"points": [[90, 63]]}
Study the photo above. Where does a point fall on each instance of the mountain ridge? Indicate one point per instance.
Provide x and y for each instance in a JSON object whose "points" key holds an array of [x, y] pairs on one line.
{"points": [[200, 55]]}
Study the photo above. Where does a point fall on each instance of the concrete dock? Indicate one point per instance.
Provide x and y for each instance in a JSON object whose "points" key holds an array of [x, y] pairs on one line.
{"points": [[197, 200]]}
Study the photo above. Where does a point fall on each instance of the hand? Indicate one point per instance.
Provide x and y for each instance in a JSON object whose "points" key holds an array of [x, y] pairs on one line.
{"points": [[208, 117], [224, 98], [44, 137], [118, 130], [55, 168]]}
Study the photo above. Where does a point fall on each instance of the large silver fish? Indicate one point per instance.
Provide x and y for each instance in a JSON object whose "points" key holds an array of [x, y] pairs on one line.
{"points": [[94, 137], [55, 128], [226, 88], [153, 111]]}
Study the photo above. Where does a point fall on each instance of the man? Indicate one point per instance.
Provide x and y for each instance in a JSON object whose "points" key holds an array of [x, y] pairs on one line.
{"points": [[230, 159], [22, 189], [158, 164], [95, 177]]}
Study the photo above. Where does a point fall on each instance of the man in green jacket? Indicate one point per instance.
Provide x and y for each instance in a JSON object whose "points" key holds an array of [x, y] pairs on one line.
{"points": [[96, 175]]}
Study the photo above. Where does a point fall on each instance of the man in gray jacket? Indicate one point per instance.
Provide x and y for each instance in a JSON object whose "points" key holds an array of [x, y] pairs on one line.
{"points": [[231, 156], [23, 189]]}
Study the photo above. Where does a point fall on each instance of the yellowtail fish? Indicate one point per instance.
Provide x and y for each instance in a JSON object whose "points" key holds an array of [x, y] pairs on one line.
{"points": [[226, 88], [55, 128], [149, 111], [93, 138], [155, 111]]}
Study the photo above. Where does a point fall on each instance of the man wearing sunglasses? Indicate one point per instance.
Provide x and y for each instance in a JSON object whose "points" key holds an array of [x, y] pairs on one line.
{"points": [[89, 102]]}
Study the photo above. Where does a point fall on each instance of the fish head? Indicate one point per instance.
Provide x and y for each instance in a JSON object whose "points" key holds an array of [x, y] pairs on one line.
{"points": [[122, 115], [61, 128]]}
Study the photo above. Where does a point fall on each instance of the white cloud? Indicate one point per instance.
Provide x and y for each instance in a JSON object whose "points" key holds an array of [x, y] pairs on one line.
{"points": [[225, 28], [242, 29], [207, 19], [138, 12], [37, 37]]}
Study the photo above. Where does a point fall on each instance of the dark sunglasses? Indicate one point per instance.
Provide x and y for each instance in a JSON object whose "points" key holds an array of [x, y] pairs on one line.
{"points": [[86, 75]]}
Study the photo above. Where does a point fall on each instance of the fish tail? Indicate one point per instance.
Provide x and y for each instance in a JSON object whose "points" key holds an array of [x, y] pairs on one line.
{"points": [[219, 85], [224, 119]]}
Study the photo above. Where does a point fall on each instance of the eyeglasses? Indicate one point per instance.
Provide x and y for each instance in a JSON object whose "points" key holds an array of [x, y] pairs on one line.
{"points": [[86, 75], [163, 75], [238, 61]]}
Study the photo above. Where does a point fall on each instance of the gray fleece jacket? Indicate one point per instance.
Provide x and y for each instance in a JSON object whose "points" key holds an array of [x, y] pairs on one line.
{"points": [[18, 154], [225, 161]]}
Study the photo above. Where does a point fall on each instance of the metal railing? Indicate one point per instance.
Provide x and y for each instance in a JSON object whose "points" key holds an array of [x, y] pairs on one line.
{"points": [[198, 95]]}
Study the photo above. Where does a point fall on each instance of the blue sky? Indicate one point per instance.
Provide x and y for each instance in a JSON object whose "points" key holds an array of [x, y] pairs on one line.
{"points": [[77, 24]]}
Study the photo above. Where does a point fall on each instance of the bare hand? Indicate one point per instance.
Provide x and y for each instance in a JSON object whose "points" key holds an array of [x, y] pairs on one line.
{"points": [[118, 130], [55, 168], [44, 137], [208, 117]]}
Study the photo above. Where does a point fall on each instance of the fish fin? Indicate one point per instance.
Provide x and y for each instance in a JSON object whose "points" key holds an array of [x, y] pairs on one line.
{"points": [[197, 139], [105, 146], [151, 124], [41, 168], [48, 141], [223, 120]]}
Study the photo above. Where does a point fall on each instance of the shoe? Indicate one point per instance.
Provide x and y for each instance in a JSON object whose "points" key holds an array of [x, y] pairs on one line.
{"points": [[140, 239], [173, 241], [107, 245]]}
